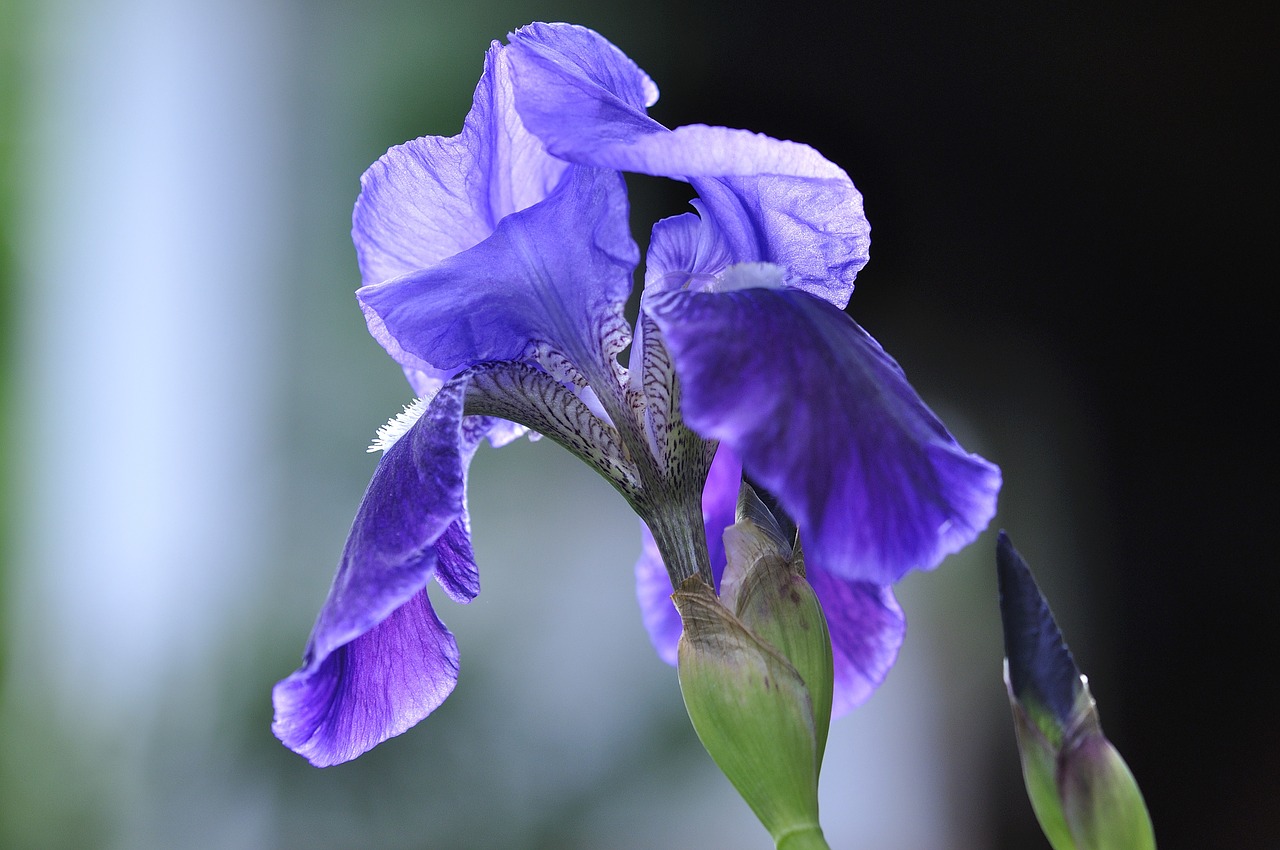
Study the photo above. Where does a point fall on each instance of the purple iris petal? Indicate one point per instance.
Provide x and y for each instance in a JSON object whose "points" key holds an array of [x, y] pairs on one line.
{"points": [[812, 227], [556, 273], [456, 569], [461, 243], [586, 101], [653, 591], [684, 254], [576, 81], [867, 628], [368, 690], [826, 421], [379, 660], [771, 200], [434, 197]]}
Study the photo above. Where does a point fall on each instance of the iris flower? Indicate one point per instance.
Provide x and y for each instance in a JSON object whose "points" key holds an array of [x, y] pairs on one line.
{"points": [[496, 265]]}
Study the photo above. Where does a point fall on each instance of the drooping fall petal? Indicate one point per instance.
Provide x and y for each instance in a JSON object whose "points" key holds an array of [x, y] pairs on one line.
{"points": [[379, 660], [825, 421]]}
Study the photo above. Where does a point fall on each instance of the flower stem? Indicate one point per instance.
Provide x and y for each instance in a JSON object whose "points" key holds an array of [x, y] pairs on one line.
{"points": [[804, 838], [682, 541]]}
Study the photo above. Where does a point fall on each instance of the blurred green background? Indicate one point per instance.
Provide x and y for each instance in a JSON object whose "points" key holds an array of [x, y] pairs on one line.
{"points": [[1068, 204]]}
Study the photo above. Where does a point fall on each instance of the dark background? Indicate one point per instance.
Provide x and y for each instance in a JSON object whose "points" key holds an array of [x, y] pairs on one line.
{"points": [[1093, 176]]}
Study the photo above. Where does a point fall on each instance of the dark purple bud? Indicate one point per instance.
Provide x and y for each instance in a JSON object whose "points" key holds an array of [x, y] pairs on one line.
{"points": [[1041, 668]]}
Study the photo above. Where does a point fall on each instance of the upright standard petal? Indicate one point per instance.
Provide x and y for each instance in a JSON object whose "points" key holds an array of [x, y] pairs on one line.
{"points": [[576, 84], [771, 200], [436, 196], [379, 660], [555, 274], [826, 421]]}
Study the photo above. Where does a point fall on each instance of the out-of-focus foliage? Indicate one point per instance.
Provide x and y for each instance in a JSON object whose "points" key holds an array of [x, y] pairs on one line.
{"points": [[13, 23]]}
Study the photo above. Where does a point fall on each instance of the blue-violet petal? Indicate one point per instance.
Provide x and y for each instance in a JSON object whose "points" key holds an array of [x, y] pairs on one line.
{"points": [[826, 421], [379, 660], [436, 196], [771, 200], [525, 285]]}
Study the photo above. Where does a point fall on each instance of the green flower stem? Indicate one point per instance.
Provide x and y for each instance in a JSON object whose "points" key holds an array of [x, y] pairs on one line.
{"points": [[805, 838]]}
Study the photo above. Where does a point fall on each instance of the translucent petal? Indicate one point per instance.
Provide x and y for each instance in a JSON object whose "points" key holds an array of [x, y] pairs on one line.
{"points": [[770, 200], [683, 254], [434, 197]]}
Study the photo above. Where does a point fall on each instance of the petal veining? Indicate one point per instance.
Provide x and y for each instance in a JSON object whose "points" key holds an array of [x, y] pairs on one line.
{"points": [[372, 688], [684, 254], [556, 273]]}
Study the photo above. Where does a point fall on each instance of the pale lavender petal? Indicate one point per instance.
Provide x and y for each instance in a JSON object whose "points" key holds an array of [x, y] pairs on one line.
{"points": [[814, 228], [867, 628], [379, 660], [504, 432], [825, 421], [765, 200], [434, 197], [557, 273]]}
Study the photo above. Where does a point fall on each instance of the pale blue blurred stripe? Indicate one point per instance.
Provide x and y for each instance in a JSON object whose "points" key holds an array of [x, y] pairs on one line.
{"points": [[153, 261]]}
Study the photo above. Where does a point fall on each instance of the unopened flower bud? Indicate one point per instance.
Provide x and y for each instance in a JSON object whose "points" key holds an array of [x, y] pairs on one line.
{"points": [[765, 586], [1100, 798], [757, 679], [1081, 789]]}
